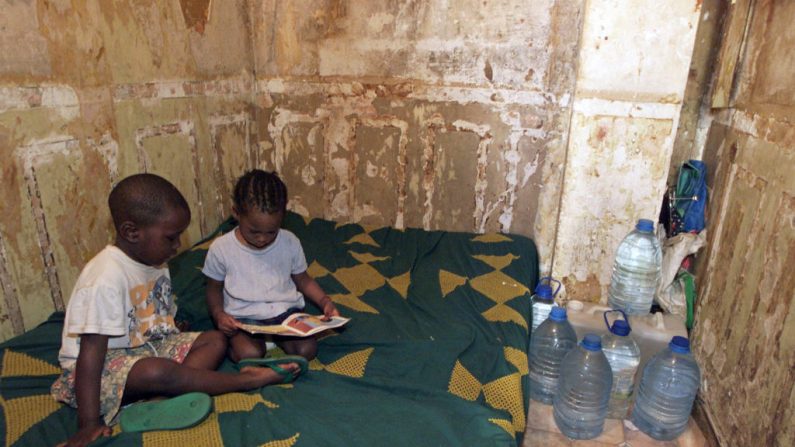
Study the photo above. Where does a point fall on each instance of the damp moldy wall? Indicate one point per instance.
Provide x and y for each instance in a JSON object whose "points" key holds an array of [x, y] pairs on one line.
{"points": [[744, 336], [91, 92], [551, 119]]}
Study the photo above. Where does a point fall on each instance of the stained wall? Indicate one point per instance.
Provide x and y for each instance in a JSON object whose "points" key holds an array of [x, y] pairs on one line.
{"points": [[744, 337], [91, 92], [550, 119], [437, 115], [632, 72]]}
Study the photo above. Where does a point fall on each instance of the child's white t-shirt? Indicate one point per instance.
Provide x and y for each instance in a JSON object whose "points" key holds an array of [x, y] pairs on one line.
{"points": [[119, 297], [257, 283]]}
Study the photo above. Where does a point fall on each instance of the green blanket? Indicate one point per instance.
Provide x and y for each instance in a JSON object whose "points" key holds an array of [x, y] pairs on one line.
{"points": [[435, 353]]}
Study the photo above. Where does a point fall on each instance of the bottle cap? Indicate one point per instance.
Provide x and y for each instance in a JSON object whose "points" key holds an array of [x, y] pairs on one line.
{"points": [[679, 345], [592, 342], [644, 225], [544, 292], [620, 328], [557, 314]]}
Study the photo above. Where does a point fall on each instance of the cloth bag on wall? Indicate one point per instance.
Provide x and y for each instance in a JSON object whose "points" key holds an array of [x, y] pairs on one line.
{"points": [[690, 198]]}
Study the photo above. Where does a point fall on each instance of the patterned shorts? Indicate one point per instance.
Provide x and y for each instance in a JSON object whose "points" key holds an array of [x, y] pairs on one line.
{"points": [[118, 363]]}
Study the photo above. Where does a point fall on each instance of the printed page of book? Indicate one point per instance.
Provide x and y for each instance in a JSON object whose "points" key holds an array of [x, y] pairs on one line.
{"points": [[311, 324], [297, 325], [272, 329]]}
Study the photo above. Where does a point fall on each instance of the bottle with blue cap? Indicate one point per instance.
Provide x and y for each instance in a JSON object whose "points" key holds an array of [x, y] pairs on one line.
{"points": [[543, 300], [623, 354], [667, 389], [636, 271], [580, 405], [550, 343]]}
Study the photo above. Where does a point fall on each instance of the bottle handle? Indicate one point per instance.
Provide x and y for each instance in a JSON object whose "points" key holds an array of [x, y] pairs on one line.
{"points": [[622, 313], [551, 280]]}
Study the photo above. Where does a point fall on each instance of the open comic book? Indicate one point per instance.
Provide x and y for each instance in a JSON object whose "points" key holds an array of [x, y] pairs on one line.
{"points": [[297, 325]]}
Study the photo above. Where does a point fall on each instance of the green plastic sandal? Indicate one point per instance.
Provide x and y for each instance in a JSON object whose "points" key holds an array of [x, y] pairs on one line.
{"points": [[176, 413], [275, 363]]}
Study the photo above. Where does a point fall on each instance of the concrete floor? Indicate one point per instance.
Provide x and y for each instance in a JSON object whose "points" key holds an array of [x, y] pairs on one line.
{"points": [[542, 431]]}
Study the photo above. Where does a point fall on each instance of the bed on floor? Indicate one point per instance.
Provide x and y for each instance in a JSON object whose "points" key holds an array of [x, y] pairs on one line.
{"points": [[435, 353]]}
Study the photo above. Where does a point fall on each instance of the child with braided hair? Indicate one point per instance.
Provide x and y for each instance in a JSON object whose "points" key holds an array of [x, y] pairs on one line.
{"points": [[257, 273]]}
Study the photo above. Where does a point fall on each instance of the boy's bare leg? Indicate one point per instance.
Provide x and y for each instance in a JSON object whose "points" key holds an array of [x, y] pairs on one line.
{"points": [[305, 347], [244, 346], [157, 376], [207, 351]]}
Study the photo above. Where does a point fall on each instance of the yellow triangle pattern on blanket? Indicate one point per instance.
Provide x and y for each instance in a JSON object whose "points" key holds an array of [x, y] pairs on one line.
{"points": [[207, 432], [517, 358], [364, 239], [503, 313], [24, 412], [316, 365], [449, 281], [505, 424], [316, 270], [353, 302], [366, 258], [498, 262], [503, 395], [19, 364], [498, 287], [240, 402], [351, 365], [401, 283], [463, 383], [359, 279], [289, 442], [491, 238]]}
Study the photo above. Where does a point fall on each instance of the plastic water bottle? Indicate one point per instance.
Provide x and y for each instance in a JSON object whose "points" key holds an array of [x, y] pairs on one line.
{"points": [[553, 339], [636, 270], [543, 300], [623, 354], [666, 392], [580, 405]]}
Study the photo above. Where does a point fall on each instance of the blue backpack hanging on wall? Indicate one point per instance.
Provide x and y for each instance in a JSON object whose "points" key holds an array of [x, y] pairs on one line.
{"points": [[691, 197]]}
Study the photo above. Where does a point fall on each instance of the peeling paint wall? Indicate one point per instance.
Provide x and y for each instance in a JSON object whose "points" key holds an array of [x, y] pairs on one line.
{"points": [[440, 115], [744, 337], [632, 71], [91, 92], [429, 114]]}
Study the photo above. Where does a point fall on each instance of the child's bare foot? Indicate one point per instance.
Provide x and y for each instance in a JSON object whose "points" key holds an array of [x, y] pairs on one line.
{"points": [[263, 375]]}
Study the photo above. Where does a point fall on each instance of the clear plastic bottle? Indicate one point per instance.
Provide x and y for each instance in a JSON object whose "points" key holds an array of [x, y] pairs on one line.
{"points": [[580, 405], [623, 354], [543, 300], [668, 387], [553, 339], [636, 270]]}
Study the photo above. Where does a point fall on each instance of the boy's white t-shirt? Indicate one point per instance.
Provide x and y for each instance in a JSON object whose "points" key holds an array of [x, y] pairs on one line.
{"points": [[119, 297], [257, 283]]}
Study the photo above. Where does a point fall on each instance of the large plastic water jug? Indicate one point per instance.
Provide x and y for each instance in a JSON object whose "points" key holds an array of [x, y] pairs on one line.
{"points": [[580, 405], [666, 392], [623, 354], [651, 332], [553, 339], [636, 270], [543, 300]]}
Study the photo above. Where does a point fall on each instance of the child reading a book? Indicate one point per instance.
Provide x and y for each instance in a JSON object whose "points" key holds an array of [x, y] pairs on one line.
{"points": [[257, 272], [120, 343]]}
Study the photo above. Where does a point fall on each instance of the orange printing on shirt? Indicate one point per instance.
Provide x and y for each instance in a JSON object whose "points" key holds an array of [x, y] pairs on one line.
{"points": [[153, 311]]}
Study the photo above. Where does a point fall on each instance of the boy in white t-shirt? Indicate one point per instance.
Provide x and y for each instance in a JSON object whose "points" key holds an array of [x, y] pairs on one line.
{"points": [[257, 272], [120, 343]]}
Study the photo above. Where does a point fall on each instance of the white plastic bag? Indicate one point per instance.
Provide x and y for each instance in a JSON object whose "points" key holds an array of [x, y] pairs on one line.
{"points": [[670, 295]]}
